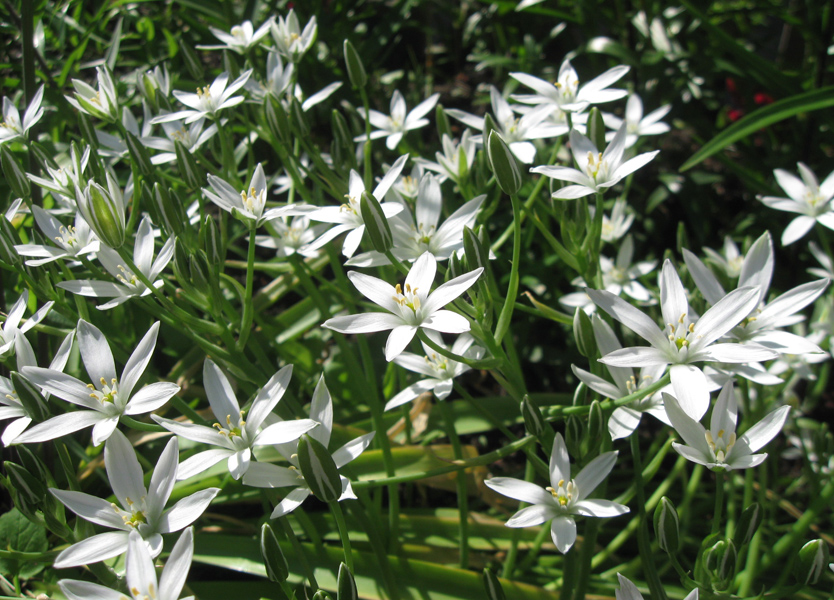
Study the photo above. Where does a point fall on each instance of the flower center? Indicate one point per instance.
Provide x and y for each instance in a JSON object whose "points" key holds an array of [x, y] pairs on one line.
{"points": [[682, 333], [108, 394], [352, 205], [68, 236], [136, 515], [127, 277], [720, 445], [595, 165], [151, 595], [439, 364], [254, 200], [408, 298], [563, 493], [231, 431]]}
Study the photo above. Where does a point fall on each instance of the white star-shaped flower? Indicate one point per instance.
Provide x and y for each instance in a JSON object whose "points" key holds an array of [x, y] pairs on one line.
{"points": [[235, 436], [105, 400], [806, 197], [400, 121], [719, 448], [142, 508], [12, 127], [208, 101], [241, 38], [409, 307], [564, 499], [249, 204], [597, 170]]}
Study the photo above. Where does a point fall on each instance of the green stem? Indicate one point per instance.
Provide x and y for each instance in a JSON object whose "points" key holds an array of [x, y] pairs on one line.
{"points": [[463, 499], [299, 551], [509, 565], [512, 291], [367, 149], [643, 543], [139, 426], [343, 533], [248, 307], [476, 364], [719, 501]]}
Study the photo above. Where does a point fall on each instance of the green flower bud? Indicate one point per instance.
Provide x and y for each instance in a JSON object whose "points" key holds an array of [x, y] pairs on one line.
{"points": [[343, 146], [811, 562], [489, 126], [192, 173], [276, 120], [720, 563], [9, 238], [376, 223], [274, 559], [298, 120], [318, 469], [503, 164], [534, 422], [42, 156], [139, 156], [104, 211], [171, 216], [667, 526], [493, 586], [596, 128], [192, 61], [15, 175], [747, 525], [321, 595], [346, 585], [442, 120], [574, 435], [596, 428], [477, 255], [583, 333], [30, 397], [213, 243], [355, 68]]}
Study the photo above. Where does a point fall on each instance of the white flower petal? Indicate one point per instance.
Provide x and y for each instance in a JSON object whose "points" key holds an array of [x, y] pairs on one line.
{"points": [[563, 533], [519, 489]]}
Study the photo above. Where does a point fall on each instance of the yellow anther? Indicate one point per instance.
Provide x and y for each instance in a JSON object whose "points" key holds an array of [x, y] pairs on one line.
{"points": [[682, 317], [691, 328]]}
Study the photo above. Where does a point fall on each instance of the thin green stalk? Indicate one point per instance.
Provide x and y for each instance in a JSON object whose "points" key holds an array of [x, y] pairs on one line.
{"points": [[509, 564], [139, 426], [248, 306], [463, 499], [343, 533], [719, 501], [506, 314], [476, 364], [643, 543], [299, 551], [569, 574], [369, 180]]}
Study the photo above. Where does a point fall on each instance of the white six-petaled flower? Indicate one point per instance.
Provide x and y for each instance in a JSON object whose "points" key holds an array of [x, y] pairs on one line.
{"points": [[807, 197], [142, 508], [597, 170], [235, 436], [400, 121], [107, 398], [409, 307], [249, 204], [140, 574], [208, 101], [564, 499], [267, 475], [12, 127], [718, 447]]}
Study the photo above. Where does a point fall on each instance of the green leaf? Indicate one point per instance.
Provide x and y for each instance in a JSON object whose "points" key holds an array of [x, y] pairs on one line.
{"points": [[19, 534], [767, 115]]}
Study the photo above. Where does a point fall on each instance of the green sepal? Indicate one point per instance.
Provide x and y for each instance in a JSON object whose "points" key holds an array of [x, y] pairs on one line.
{"points": [[504, 164], [298, 121], [30, 397], [276, 120], [342, 148], [667, 526], [139, 155], [492, 585], [811, 562], [318, 469], [346, 585], [355, 68], [376, 223], [596, 128], [192, 173], [274, 559], [172, 217], [9, 238], [15, 175], [583, 333], [442, 120], [749, 521]]}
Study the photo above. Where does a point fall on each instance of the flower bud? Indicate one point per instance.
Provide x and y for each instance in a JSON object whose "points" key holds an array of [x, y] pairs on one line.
{"points": [[747, 525], [596, 128], [30, 397], [503, 164], [192, 173], [9, 238], [574, 435], [476, 254], [489, 126], [274, 559], [276, 119], [534, 422], [104, 211], [171, 216], [583, 333], [318, 469], [321, 595], [192, 61], [346, 585], [213, 243], [667, 526], [720, 563], [355, 68], [298, 121], [811, 562], [442, 120], [596, 428], [493, 585], [342, 148], [139, 155], [15, 175], [376, 223]]}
